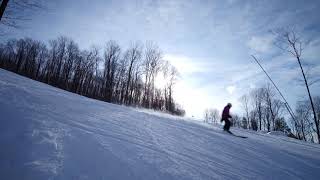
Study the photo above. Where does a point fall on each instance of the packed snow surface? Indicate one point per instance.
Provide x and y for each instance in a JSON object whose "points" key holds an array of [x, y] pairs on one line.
{"points": [[48, 133]]}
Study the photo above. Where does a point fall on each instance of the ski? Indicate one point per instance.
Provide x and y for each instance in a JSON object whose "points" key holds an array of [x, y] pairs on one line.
{"points": [[229, 132]]}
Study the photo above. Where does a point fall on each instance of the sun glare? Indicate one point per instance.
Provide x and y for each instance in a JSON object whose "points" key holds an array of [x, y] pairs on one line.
{"points": [[160, 81]]}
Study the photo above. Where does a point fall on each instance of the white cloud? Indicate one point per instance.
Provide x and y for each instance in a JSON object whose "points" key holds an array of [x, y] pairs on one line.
{"points": [[186, 65], [311, 51], [261, 44], [231, 89], [252, 86]]}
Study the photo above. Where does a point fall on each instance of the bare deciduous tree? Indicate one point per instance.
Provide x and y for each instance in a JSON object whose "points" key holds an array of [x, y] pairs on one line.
{"points": [[257, 97], [152, 65], [111, 58], [211, 115], [289, 41], [245, 105], [133, 55]]}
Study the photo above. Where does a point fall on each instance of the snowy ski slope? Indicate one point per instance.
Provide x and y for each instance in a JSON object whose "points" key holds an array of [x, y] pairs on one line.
{"points": [[48, 133]]}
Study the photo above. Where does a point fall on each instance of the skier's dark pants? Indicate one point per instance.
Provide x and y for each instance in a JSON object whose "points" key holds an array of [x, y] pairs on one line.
{"points": [[227, 124]]}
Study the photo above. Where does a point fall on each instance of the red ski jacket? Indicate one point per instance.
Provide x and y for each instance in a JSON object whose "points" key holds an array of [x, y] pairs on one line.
{"points": [[225, 113]]}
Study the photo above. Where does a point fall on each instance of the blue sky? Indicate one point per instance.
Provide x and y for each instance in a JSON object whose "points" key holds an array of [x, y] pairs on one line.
{"points": [[210, 42]]}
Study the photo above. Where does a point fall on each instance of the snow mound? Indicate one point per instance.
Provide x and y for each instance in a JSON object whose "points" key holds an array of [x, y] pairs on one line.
{"points": [[48, 133]]}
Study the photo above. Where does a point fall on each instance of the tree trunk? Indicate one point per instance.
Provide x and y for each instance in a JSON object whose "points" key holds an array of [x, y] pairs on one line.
{"points": [[3, 7], [312, 106]]}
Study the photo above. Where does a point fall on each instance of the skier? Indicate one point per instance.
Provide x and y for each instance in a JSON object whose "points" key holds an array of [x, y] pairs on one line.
{"points": [[225, 117]]}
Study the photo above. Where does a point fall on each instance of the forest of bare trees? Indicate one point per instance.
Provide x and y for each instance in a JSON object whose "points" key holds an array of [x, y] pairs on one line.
{"points": [[303, 124], [263, 110], [212, 116], [118, 76]]}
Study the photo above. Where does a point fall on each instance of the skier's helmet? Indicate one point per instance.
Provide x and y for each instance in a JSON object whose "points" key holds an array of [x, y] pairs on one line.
{"points": [[229, 104]]}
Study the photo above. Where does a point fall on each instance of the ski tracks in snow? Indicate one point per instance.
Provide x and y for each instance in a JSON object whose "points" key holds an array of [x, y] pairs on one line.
{"points": [[48, 133]]}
